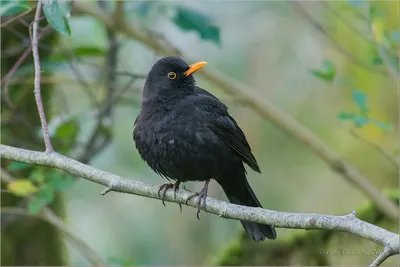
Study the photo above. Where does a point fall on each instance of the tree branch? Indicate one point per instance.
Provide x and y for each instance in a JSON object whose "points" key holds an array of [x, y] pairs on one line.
{"points": [[264, 108], [385, 153], [386, 253], [38, 97], [348, 223]]}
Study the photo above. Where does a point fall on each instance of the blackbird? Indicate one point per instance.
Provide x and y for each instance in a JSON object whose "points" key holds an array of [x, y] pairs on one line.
{"points": [[184, 133]]}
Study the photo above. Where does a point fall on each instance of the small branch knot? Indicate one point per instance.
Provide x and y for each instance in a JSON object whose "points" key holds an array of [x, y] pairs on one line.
{"points": [[107, 190], [222, 213], [353, 214], [339, 167]]}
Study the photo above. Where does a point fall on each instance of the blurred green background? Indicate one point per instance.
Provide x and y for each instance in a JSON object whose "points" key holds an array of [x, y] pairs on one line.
{"points": [[312, 65]]}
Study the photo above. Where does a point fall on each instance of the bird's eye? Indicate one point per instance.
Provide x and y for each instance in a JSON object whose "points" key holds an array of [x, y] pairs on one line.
{"points": [[171, 75]]}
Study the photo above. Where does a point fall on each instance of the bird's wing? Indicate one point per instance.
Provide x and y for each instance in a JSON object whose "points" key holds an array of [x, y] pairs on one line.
{"points": [[225, 127], [229, 132]]}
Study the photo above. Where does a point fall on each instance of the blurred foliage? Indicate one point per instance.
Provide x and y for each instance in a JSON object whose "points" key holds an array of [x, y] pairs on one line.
{"points": [[12, 7], [78, 52], [21, 236], [185, 18], [362, 118], [113, 261], [191, 20], [270, 50], [327, 71], [309, 247]]}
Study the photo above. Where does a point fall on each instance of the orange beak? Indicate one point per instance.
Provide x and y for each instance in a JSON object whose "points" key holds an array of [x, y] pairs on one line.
{"points": [[195, 67]]}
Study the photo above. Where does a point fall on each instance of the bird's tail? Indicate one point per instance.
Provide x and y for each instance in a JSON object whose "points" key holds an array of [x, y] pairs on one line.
{"points": [[238, 191]]}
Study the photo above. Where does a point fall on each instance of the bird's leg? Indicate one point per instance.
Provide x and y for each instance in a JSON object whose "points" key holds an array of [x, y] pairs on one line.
{"points": [[165, 187], [202, 195]]}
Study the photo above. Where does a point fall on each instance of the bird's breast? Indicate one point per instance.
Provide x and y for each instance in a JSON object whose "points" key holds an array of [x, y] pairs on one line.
{"points": [[179, 146]]}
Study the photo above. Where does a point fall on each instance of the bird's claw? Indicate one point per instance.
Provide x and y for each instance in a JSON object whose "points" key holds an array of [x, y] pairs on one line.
{"points": [[201, 195], [165, 187]]}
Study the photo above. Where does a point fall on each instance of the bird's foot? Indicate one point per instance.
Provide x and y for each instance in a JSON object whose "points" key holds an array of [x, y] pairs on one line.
{"points": [[165, 187], [202, 195]]}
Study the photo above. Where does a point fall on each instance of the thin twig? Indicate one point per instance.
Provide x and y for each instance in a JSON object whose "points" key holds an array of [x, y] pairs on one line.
{"points": [[17, 17], [7, 78], [67, 53], [385, 153], [386, 253], [64, 79], [111, 66], [347, 223], [90, 150], [132, 75], [340, 16], [38, 97], [349, 55], [105, 113], [122, 91], [119, 10], [264, 108], [382, 53], [82, 81]]}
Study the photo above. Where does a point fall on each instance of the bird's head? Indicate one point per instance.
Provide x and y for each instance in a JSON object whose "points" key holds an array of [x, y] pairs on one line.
{"points": [[170, 76]]}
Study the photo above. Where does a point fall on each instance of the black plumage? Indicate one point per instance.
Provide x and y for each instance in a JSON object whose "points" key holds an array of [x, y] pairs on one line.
{"points": [[185, 133]]}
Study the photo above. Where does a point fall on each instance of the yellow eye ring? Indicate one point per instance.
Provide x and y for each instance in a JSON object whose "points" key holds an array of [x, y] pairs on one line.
{"points": [[171, 75]]}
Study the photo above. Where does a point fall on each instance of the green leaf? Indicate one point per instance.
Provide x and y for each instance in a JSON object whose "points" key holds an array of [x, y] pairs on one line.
{"points": [[359, 97], [59, 182], [83, 51], [396, 151], [37, 176], [361, 100], [383, 126], [377, 61], [191, 20], [327, 71], [346, 116], [56, 12], [360, 121], [18, 166], [68, 129], [12, 7], [65, 134], [21, 187], [42, 198], [374, 10]]}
